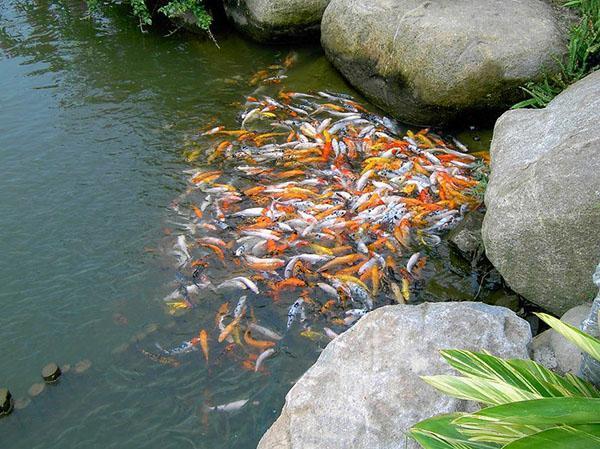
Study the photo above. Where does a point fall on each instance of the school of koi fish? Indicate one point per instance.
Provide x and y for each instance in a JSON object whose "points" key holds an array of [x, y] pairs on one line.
{"points": [[316, 204]]}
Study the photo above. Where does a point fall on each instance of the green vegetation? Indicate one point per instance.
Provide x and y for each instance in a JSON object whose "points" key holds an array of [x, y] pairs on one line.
{"points": [[528, 406], [145, 10], [582, 58], [481, 173]]}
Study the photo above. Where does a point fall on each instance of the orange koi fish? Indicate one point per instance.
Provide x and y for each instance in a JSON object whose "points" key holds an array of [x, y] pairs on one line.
{"points": [[256, 263], [286, 284], [229, 328], [197, 211], [206, 176], [223, 310], [218, 251], [328, 306], [261, 344], [341, 260], [204, 343]]}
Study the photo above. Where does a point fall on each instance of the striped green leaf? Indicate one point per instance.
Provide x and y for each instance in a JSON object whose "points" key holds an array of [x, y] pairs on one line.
{"points": [[480, 390], [523, 374], [585, 342], [509, 422], [439, 432], [567, 437]]}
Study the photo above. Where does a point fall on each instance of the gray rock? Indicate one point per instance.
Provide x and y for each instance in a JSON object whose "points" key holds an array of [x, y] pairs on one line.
{"points": [[590, 367], [427, 62], [554, 351], [6, 401], [276, 20], [467, 235], [364, 391], [51, 372], [543, 198]]}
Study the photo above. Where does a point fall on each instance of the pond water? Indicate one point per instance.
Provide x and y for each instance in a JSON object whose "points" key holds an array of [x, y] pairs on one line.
{"points": [[95, 118]]}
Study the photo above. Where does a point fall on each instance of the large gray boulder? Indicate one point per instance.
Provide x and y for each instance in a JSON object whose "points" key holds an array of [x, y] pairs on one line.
{"points": [[364, 391], [276, 20], [541, 229], [427, 62]]}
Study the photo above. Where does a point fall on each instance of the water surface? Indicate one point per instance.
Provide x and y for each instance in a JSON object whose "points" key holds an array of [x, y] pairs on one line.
{"points": [[94, 118]]}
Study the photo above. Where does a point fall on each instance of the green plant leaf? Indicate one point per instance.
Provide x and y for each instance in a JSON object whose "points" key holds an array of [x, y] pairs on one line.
{"points": [[523, 374], [567, 437], [140, 9], [508, 422], [525, 104], [548, 411], [176, 8], [479, 390], [439, 432], [585, 342]]}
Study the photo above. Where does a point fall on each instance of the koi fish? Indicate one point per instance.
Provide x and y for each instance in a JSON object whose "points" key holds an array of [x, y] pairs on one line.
{"points": [[397, 292], [412, 262], [266, 264], [262, 357], [262, 344], [311, 335], [229, 328], [405, 289], [330, 333], [265, 331], [293, 311], [240, 308], [229, 407], [286, 284], [204, 343], [182, 245], [333, 198], [239, 282], [162, 359], [183, 348]]}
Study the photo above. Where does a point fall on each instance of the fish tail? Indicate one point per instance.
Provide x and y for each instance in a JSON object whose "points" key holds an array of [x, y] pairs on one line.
{"points": [[160, 348]]}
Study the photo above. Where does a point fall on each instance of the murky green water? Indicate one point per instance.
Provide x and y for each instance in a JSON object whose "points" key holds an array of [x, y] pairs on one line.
{"points": [[93, 118]]}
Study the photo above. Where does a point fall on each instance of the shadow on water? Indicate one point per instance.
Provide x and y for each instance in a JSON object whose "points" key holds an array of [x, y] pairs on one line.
{"points": [[94, 116]]}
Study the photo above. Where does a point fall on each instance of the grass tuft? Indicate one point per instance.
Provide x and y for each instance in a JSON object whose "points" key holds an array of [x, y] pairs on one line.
{"points": [[583, 57]]}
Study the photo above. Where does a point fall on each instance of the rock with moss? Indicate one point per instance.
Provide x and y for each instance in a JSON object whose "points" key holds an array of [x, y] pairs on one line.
{"points": [[276, 20], [429, 62], [543, 198], [364, 391], [6, 402]]}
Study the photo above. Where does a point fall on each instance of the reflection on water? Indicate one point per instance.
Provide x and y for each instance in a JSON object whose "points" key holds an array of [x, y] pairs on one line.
{"points": [[94, 116]]}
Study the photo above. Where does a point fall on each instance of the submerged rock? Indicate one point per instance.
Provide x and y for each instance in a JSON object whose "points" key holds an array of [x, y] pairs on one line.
{"points": [[543, 199], [36, 389], [554, 351], [364, 391], [467, 235], [426, 62], [276, 20]]}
